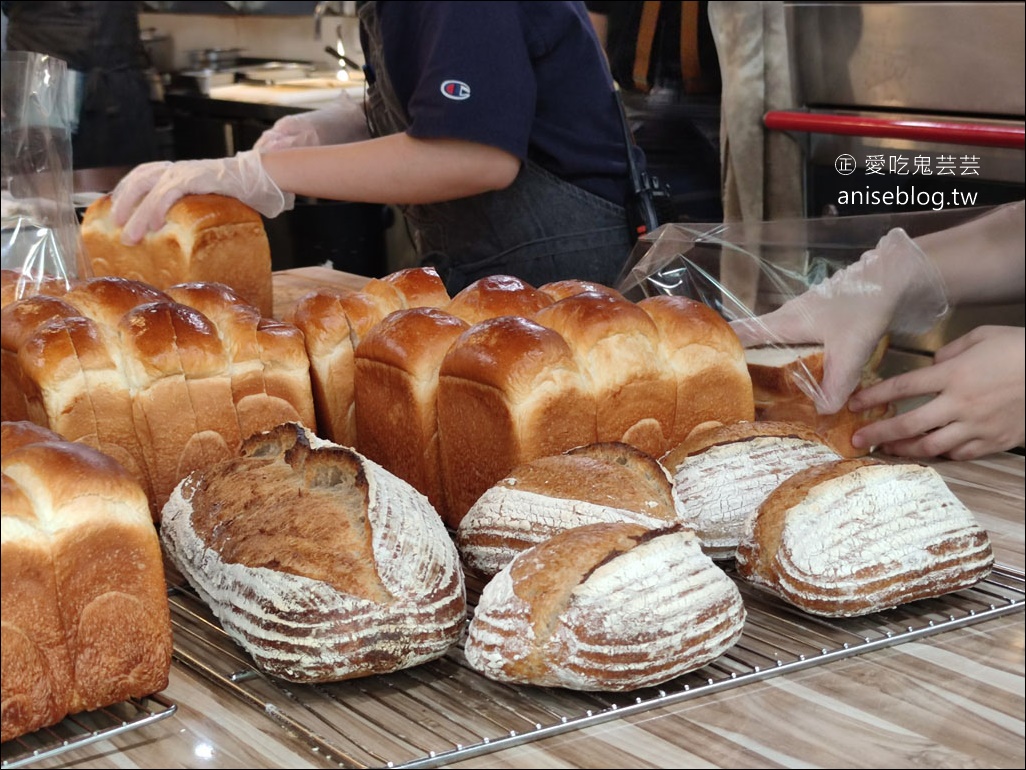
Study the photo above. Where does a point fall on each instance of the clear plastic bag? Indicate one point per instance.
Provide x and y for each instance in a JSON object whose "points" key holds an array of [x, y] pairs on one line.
{"points": [[40, 229]]}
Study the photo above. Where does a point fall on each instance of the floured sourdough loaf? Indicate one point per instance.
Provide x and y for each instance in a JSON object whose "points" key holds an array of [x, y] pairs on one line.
{"points": [[723, 474], [613, 606], [86, 622], [208, 238], [163, 382], [607, 482], [856, 536], [319, 563], [776, 372]]}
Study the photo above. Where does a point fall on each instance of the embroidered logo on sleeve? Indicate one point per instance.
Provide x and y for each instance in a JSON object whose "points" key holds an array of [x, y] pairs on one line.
{"points": [[456, 90]]}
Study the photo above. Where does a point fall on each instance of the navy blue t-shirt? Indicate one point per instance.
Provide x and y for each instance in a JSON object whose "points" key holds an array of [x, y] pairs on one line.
{"points": [[527, 77]]}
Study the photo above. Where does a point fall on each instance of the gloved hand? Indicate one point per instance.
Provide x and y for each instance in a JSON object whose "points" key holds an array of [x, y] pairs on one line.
{"points": [[340, 122], [141, 200], [894, 287]]}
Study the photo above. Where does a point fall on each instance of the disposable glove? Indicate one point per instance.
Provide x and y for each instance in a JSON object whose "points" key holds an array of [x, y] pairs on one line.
{"points": [[894, 287], [141, 200], [340, 122]]}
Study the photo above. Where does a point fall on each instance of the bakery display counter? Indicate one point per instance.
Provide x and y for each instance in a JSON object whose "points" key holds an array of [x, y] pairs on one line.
{"points": [[935, 683]]}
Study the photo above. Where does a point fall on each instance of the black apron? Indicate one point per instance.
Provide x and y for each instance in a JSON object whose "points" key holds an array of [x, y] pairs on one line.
{"points": [[539, 229], [100, 41]]}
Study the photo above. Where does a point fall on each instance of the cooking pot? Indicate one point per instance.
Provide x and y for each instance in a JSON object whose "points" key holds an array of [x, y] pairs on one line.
{"points": [[214, 58]]}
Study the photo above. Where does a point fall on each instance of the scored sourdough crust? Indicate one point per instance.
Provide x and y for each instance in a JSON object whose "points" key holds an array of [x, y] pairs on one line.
{"points": [[602, 482], [605, 607], [322, 565], [856, 536], [722, 475], [209, 238], [86, 622]]}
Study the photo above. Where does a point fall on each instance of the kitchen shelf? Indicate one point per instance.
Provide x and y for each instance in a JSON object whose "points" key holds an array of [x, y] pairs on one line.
{"points": [[444, 711], [85, 728]]}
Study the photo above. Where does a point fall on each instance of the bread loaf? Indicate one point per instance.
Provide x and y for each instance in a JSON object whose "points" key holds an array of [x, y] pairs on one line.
{"points": [[723, 474], [86, 622], [613, 606], [856, 536], [159, 385], [320, 563], [782, 377], [602, 482], [207, 238]]}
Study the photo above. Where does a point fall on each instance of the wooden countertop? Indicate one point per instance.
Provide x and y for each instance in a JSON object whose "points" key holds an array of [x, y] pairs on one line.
{"points": [[952, 699]]}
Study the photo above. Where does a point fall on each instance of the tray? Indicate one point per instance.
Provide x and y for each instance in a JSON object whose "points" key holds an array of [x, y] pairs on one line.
{"points": [[444, 711]]}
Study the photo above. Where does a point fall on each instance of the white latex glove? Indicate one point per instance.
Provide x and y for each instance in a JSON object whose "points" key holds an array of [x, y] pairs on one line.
{"points": [[894, 287], [141, 200], [340, 122]]}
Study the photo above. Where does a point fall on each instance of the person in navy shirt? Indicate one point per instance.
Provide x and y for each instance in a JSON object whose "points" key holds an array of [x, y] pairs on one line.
{"points": [[492, 126]]}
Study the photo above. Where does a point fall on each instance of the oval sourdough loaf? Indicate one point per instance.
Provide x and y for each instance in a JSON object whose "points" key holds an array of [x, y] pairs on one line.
{"points": [[722, 475], [856, 536], [320, 563], [86, 622], [612, 606], [602, 482]]}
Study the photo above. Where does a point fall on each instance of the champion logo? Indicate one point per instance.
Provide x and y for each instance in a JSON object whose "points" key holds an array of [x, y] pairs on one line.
{"points": [[456, 90]]}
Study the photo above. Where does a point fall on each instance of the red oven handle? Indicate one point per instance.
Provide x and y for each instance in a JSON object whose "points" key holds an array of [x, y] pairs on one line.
{"points": [[943, 131]]}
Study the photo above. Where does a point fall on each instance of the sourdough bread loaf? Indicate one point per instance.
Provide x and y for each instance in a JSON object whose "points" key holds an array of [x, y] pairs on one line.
{"points": [[207, 238], [722, 475], [605, 607], [602, 482], [86, 622], [322, 565], [856, 536]]}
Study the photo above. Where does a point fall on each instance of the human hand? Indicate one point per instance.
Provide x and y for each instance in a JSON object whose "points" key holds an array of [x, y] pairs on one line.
{"points": [[893, 287], [340, 122], [977, 384], [140, 202]]}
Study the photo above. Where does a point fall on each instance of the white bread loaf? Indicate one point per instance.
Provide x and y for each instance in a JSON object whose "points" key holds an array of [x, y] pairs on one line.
{"points": [[856, 536], [86, 622], [160, 386], [602, 482], [722, 475], [333, 323], [207, 238], [782, 375], [609, 607], [320, 563]]}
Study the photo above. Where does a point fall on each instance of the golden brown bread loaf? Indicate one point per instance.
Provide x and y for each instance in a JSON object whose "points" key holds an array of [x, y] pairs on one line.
{"points": [[86, 622], [158, 385], [208, 238], [722, 475], [856, 536], [320, 563], [776, 372], [612, 606], [602, 482]]}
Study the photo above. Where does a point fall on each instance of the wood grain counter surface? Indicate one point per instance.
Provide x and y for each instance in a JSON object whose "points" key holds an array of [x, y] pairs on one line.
{"points": [[952, 699]]}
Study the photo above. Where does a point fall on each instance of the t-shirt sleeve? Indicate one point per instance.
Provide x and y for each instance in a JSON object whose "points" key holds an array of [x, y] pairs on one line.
{"points": [[463, 71]]}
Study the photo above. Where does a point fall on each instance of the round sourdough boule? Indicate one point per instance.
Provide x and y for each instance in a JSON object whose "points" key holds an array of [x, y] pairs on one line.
{"points": [[605, 607]]}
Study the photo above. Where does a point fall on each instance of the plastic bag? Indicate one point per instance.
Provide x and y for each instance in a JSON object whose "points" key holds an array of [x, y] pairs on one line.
{"points": [[40, 229], [745, 270]]}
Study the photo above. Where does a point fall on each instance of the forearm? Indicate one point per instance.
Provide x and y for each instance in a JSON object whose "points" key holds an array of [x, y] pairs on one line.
{"points": [[395, 169], [981, 261]]}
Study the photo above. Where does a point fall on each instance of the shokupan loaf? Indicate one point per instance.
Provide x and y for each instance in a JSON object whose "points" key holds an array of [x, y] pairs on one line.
{"points": [[320, 563], [776, 372], [856, 536], [721, 475], [86, 622], [208, 238], [605, 607], [602, 482], [161, 386]]}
